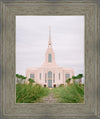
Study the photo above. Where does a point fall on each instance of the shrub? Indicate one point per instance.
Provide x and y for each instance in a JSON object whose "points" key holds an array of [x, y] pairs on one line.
{"points": [[68, 80], [61, 85], [31, 81], [73, 93], [26, 93]]}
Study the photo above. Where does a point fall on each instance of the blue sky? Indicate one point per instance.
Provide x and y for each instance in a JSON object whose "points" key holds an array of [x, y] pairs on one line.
{"points": [[32, 35]]}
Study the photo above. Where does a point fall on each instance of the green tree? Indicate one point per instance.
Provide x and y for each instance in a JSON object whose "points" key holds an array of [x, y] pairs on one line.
{"points": [[20, 78], [31, 81], [68, 80], [17, 76], [24, 79], [79, 76], [74, 77]]}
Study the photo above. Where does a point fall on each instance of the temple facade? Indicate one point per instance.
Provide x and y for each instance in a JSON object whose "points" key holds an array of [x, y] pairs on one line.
{"points": [[49, 74]]}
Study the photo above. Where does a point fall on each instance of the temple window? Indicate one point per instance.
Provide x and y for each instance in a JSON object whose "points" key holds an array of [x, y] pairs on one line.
{"points": [[53, 76], [49, 74], [45, 81], [67, 76], [59, 76], [32, 76], [40, 76], [49, 58], [45, 78]]}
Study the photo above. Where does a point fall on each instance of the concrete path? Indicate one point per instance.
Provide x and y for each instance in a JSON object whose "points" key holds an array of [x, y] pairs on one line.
{"points": [[49, 99]]}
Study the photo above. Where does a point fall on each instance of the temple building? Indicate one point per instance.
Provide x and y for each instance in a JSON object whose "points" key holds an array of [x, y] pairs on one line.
{"points": [[49, 74]]}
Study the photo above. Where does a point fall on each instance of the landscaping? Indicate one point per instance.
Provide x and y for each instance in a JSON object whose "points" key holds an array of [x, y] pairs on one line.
{"points": [[30, 93], [33, 93], [73, 93]]}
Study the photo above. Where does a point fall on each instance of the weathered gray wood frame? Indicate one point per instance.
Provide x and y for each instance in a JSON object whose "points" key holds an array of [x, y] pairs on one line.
{"points": [[9, 10]]}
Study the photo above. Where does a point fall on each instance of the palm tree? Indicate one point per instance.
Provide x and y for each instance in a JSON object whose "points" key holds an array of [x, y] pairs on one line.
{"points": [[79, 76], [24, 78], [20, 78], [68, 80], [74, 77], [17, 75], [31, 81]]}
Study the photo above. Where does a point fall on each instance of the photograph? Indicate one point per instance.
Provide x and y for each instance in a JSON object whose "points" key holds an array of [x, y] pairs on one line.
{"points": [[50, 59]]}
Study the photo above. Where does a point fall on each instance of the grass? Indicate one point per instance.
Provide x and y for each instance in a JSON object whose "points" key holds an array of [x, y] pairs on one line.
{"points": [[28, 93], [73, 93]]}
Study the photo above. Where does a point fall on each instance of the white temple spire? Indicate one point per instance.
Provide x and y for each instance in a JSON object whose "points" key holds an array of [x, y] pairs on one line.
{"points": [[49, 43]]}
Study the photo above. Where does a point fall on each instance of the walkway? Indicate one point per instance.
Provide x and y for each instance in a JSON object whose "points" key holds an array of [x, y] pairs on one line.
{"points": [[49, 99]]}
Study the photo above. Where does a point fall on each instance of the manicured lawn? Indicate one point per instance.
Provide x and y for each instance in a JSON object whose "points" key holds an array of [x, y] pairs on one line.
{"points": [[28, 93], [73, 93]]}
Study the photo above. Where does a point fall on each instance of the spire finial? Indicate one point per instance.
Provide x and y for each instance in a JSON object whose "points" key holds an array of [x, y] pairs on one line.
{"points": [[49, 43]]}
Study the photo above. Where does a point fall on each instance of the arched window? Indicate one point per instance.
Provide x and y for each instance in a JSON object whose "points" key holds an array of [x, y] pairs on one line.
{"points": [[49, 58], [49, 74]]}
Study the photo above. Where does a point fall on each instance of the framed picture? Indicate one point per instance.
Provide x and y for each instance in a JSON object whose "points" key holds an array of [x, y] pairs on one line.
{"points": [[56, 76], [50, 59]]}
